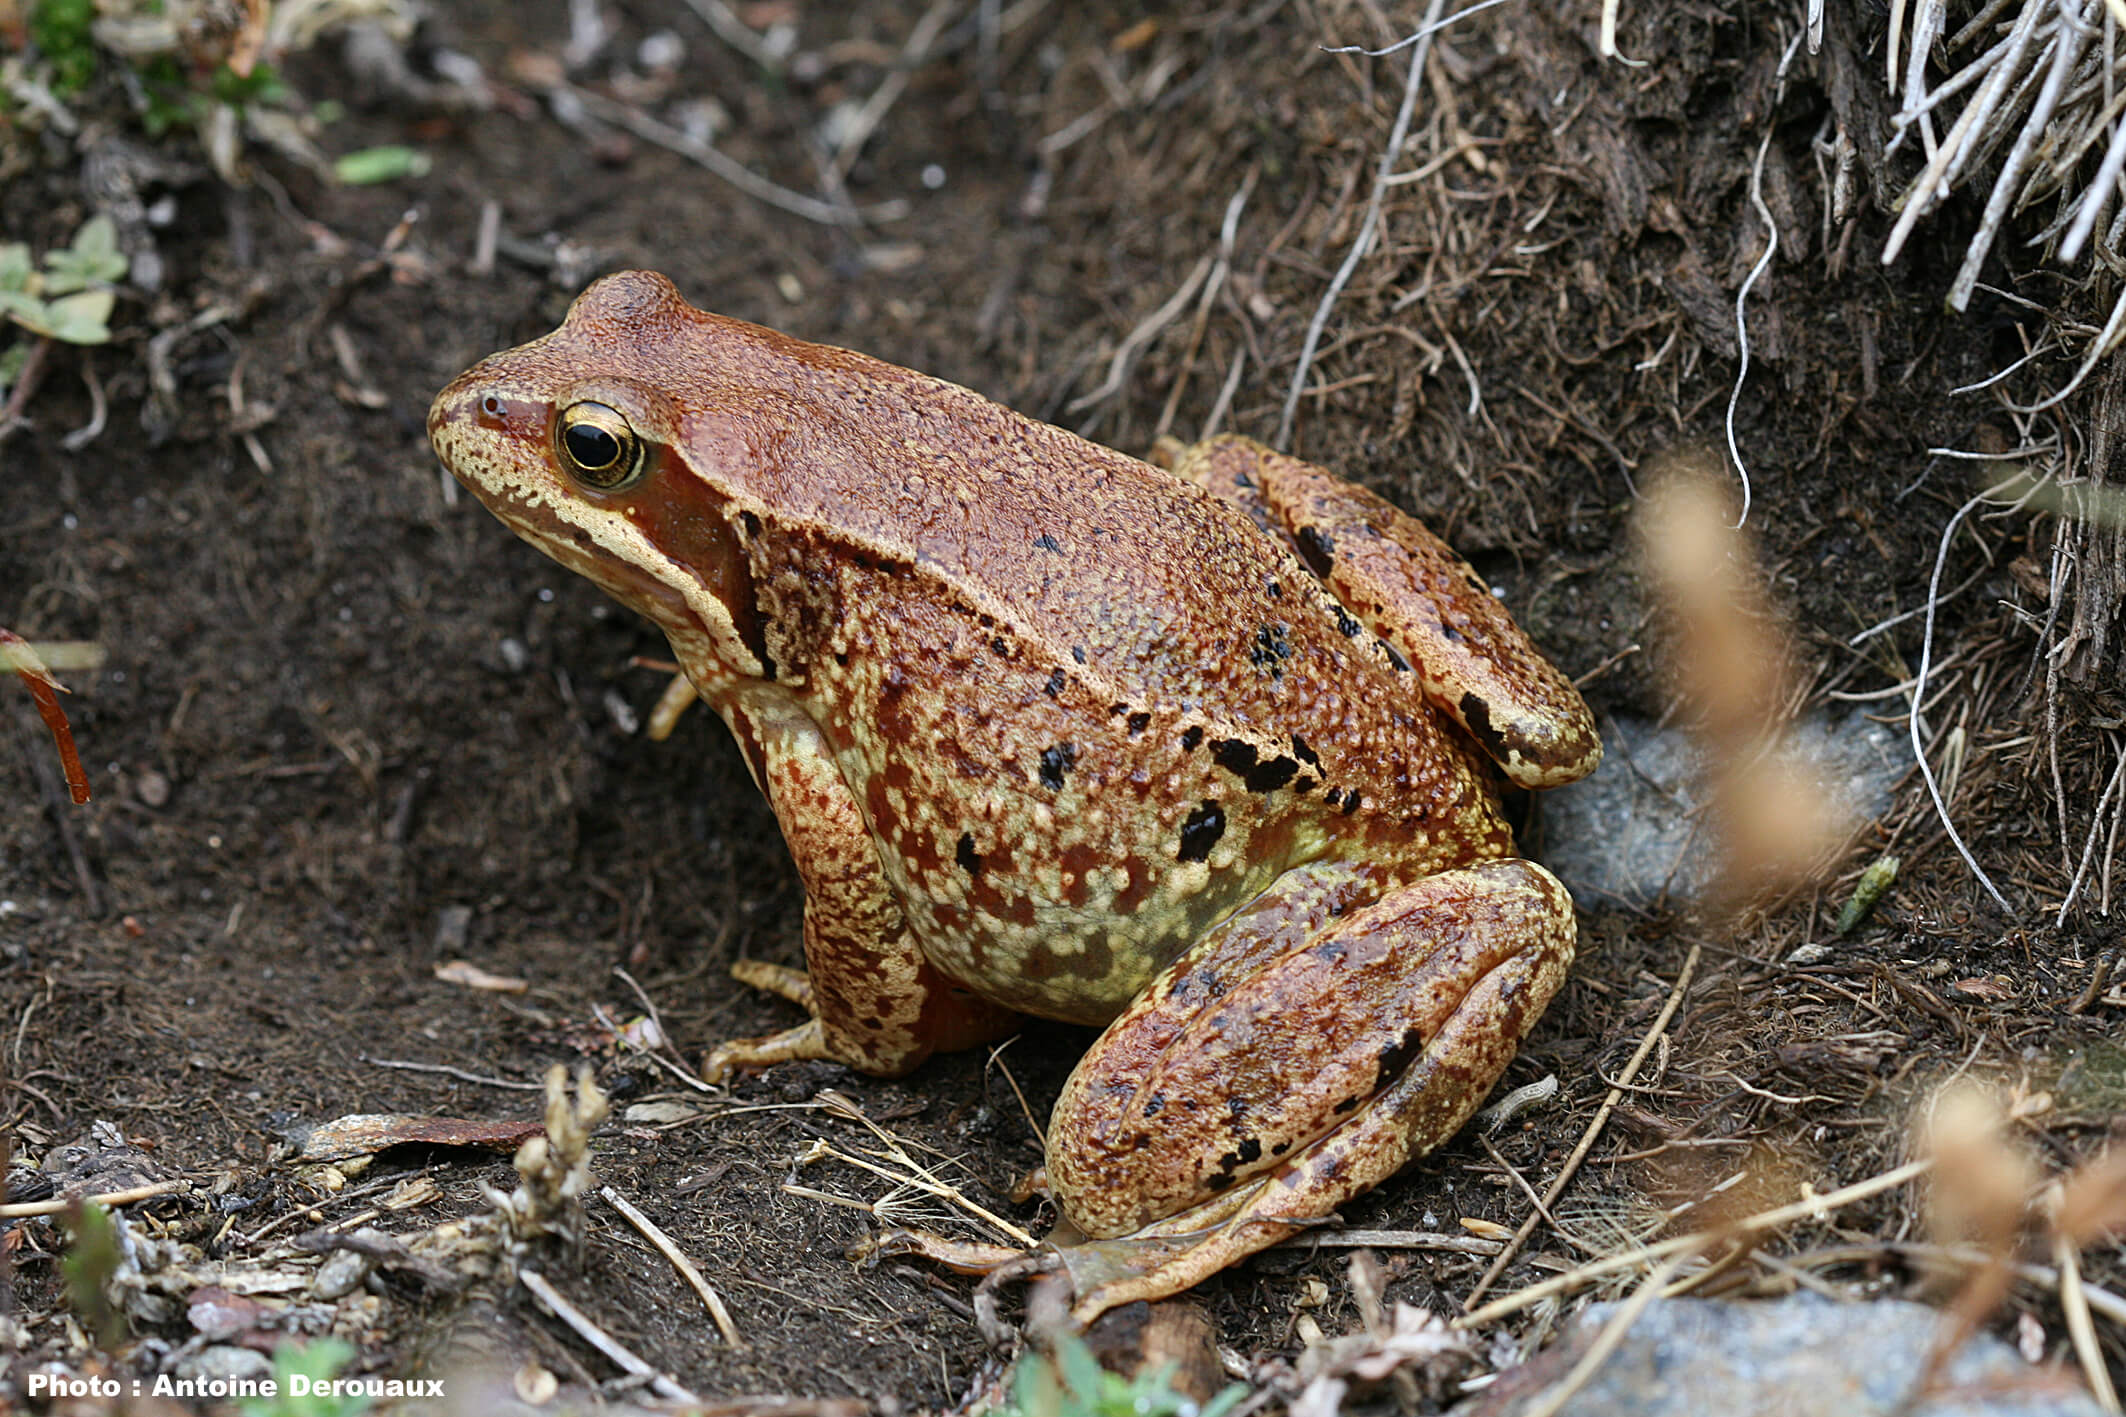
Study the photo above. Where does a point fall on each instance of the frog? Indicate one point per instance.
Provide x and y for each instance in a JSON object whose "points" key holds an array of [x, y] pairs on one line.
{"points": [[1205, 751]]}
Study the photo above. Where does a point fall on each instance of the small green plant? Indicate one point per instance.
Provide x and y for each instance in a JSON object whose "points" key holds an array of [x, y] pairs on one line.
{"points": [[1073, 1384], [60, 30], [176, 99], [316, 1364], [91, 1260], [70, 299]]}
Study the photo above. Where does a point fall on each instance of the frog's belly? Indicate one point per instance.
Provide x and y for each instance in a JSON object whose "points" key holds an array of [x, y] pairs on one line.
{"points": [[1067, 910], [1044, 945]]}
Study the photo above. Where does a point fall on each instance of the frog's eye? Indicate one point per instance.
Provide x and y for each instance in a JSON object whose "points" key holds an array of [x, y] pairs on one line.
{"points": [[597, 446]]}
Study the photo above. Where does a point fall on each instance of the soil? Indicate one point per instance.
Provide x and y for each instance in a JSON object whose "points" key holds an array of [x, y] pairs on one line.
{"points": [[349, 730]]}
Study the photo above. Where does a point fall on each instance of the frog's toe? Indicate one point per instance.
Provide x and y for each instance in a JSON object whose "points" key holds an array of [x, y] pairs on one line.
{"points": [[777, 979], [807, 1040], [1155, 1264]]}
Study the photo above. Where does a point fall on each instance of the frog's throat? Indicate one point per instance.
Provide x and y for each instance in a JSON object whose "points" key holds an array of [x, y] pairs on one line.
{"points": [[688, 611]]}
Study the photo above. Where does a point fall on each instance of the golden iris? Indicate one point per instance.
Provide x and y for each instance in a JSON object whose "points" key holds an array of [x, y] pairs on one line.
{"points": [[597, 446]]}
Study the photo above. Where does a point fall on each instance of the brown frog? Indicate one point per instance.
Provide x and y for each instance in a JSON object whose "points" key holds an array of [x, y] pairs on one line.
{"points": [[1202, 753]]}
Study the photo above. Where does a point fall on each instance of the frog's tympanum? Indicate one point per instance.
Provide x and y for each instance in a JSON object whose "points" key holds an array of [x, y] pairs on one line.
{"points": [[1203, 754]]}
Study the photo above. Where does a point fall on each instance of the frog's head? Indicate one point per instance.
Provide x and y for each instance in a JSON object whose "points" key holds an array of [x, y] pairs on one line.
{"points": [[588, 444]]}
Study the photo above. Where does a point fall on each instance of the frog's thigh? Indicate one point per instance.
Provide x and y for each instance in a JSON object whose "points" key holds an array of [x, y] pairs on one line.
{"points": [[1409, 588], [877, 1004], [1219, 1110]]}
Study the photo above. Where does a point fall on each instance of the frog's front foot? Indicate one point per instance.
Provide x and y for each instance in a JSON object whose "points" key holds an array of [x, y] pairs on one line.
{"points": [[937, 1015], [807, 1040], [1299, 1055]]}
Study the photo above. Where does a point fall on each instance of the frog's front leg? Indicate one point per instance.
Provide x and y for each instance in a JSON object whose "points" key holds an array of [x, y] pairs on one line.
{"points": [[876, 1003], [1299, 1055]]}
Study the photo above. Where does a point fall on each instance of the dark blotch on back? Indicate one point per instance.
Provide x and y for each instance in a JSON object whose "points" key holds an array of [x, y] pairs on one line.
{"points": [[1317, 548], [1055, 683], [1271, 649], [970, 860], [1201, 832], [1396, 1058], [1056, 763], [1046, 542], [1138, 722], [1190, 737], [1304, 751], [1238, 758], [1477, 715]]}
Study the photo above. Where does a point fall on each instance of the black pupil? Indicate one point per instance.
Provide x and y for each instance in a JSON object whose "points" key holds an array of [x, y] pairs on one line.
{"points": [[593, 448]]}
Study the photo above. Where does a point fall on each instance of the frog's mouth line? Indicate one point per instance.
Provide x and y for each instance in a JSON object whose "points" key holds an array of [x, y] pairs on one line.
{"points": [[533, 517]]}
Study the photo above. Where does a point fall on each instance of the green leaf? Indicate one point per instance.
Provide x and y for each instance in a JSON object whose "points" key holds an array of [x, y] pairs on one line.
{"points": [[27, 309], [81, 318], [319, 1362], [1082, 1372], [97, 241], [15, 268], [370, 166], [93, 259]]}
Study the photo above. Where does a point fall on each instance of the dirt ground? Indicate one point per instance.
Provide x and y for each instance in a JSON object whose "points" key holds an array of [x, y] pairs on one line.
{"points": [[349, 729]]}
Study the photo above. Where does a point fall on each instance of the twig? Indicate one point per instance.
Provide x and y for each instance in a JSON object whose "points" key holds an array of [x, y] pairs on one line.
{"points": [[1771, 247], [1594, 1128], [26, 380], [2074, 1305], [710, 1299], [1388, 1240], [1228, 231], [737, 33], [1423, 32], [1364, 240], [1146, 331], [2107, 178], [2096, 825], [109, 1200], [448, 1071], [99, 409], [729, 168], [1932, 184], [1755, 1224], [1919, 696], [2067, 48], [1226, 391], [889, 91], [2098, 348], [2102, 1301], [598, 1338]]}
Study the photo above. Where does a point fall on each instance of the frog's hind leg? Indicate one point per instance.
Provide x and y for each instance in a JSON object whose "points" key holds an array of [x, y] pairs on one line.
{"points": [[1295, 1058], [1423, 602], [876, 1003]]}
